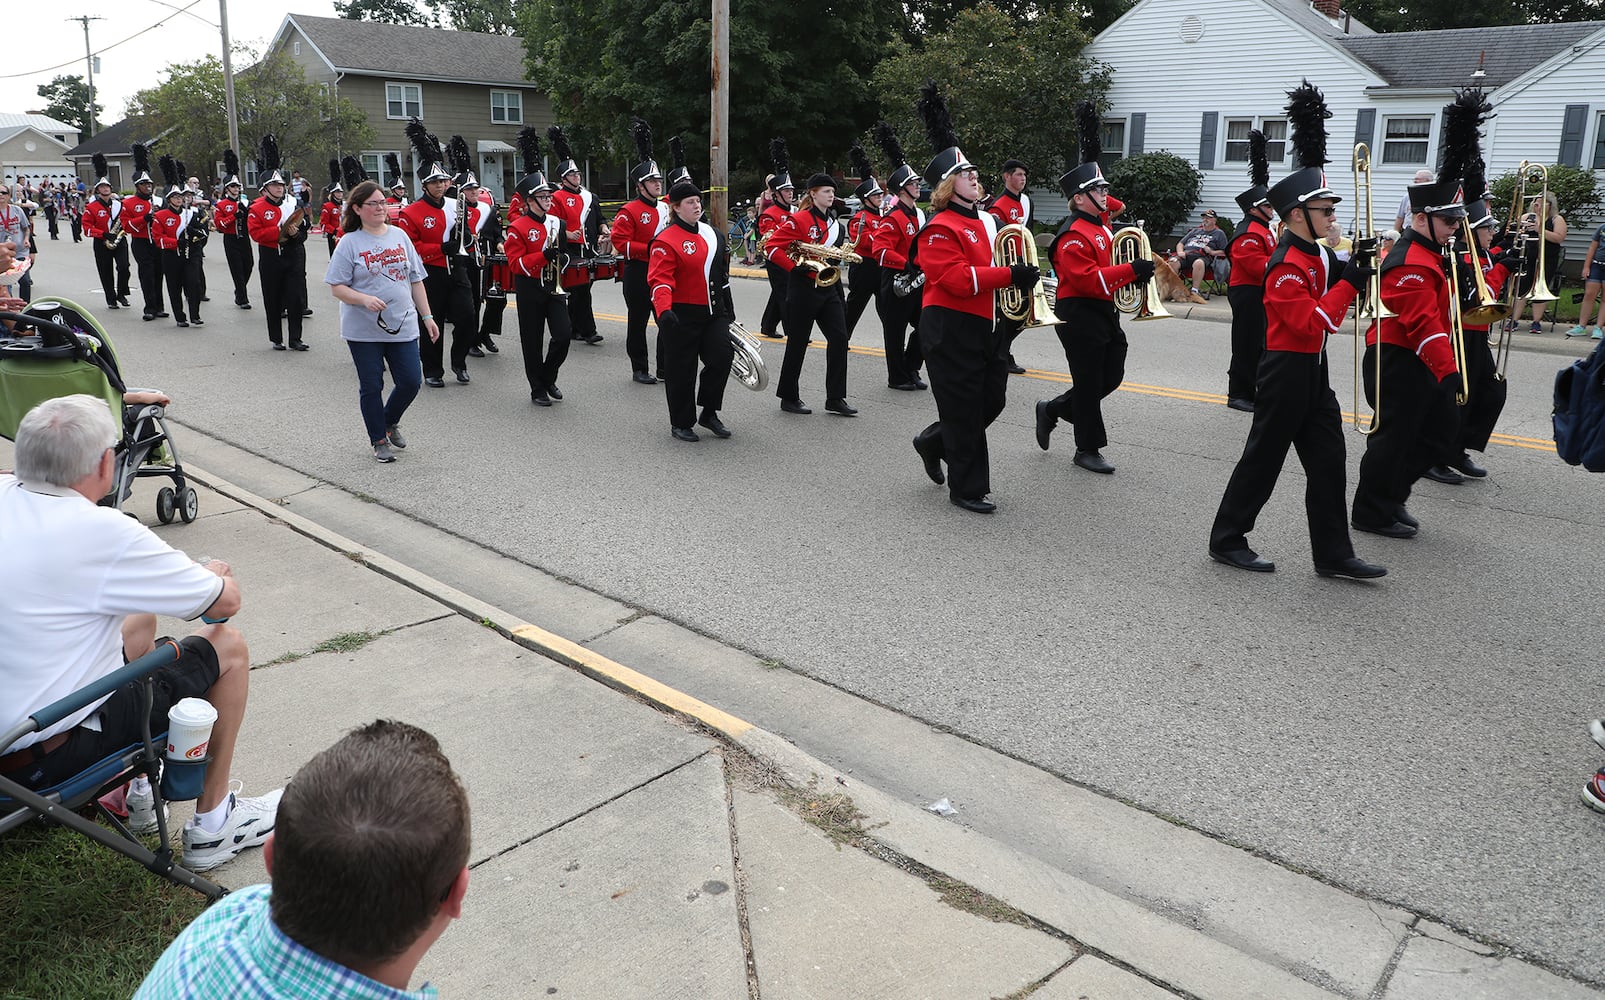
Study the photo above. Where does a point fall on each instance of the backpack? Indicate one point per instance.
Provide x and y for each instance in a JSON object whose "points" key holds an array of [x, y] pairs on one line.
{"points": [[1580, 412]]}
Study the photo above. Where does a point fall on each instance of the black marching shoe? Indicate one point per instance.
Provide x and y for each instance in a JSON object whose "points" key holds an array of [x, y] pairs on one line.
{"points": [[840, 408], [1046, 422], [1352, 568], [196, 321], [593, 339], [1093, 462], [1444, 474], [1467, 467], [1403, 517], [148, 317], [919, 383], [183, 322], [113, 305], [122, 300], [1014, 367], [160, 314], [475, 352], [243, 305], [1394, 529], [1243, 559], [683, 434], [300, 345], [278, 346], [462, 375], [206, 298], [645, 378], [554, 392], [933, 465], [306, 312], [539, 398], [711, 421], [1245, 405], [490, 346], [794, 406], [903, 386], [977, 505], [435, 382]]}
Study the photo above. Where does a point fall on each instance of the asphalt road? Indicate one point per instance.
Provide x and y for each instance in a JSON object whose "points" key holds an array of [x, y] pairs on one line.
{"points": [[1421, 739]]}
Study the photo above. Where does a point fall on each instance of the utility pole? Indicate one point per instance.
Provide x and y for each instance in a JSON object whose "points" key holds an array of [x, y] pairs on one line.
{"points": [[89, 63], [719, 130], [228, 84]]}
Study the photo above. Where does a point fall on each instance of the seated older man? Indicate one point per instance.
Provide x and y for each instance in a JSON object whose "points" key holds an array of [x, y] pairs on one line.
{"points": [[82, 583], [1201, 248]]}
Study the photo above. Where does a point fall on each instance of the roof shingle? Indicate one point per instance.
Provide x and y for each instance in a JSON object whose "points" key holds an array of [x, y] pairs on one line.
{"points": [[400, 50], [1447, 57]]}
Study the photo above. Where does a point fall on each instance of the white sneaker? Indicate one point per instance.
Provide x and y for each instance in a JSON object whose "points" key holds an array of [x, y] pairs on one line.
{"points": [[248, 824], [142, 809]]}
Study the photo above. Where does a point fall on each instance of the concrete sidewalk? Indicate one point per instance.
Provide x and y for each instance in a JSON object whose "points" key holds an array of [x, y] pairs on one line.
{"points": [[633, 841]]}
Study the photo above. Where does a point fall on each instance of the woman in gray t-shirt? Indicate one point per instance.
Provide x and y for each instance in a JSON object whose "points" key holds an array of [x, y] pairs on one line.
{"points": [[379, 279]]}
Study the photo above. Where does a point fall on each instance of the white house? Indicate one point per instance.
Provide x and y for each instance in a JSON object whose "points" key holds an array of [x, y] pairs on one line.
{"points": [[1194, 79]]}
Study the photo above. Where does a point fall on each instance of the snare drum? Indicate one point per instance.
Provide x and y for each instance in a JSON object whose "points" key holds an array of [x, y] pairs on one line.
{"points": [[498, 276]]}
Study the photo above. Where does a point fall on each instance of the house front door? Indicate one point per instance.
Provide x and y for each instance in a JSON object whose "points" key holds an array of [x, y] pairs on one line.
{"points": [[491, 168]]}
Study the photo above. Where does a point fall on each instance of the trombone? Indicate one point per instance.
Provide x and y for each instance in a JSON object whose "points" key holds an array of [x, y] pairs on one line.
{"points": [[1457, 320], [1372, 307]]}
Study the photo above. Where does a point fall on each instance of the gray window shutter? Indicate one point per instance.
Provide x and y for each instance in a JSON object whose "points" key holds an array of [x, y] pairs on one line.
{"points": [[1365, 129], [1571, 135], [1206, 141], [1139, 122]]}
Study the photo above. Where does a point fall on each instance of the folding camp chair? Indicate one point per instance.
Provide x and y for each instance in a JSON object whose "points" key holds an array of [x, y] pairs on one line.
{"points": [[60, 803]]}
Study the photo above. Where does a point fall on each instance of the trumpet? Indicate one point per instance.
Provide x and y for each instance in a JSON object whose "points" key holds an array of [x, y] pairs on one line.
{"points": [[1015, 245], [825, 262], [1137, 301], [747, 365], [1372, 308]]}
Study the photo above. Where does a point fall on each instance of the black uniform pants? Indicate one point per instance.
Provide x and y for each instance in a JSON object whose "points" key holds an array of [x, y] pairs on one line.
{"points": [[490, 322], [283, 272], [1417, 424], [1248, 339], [1487, 399], [540, 314], [638, 306], [104, 260], [450, 302], [1095, 348], [863, 286], [581, 318], [50, 220], [474, 276], [237, 250], [900, 329], [1294, 407], [183, 277], [148, 268], [698, 335], [774, 311], [969, 378], [806, 305]]}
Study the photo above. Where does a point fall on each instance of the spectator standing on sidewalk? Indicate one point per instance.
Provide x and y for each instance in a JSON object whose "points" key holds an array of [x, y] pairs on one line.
{"points": [[15, 228], [1593, 281], [1402, 221]]}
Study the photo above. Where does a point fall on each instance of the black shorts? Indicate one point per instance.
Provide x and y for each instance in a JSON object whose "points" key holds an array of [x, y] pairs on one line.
{"points": [[190, 676]]}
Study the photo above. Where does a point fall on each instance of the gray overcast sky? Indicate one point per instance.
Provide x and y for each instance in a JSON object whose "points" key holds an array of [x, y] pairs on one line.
{"points": [[44, 38]]}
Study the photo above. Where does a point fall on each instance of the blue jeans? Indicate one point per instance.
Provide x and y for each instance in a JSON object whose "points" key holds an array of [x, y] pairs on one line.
{"points": [[371, 356]]}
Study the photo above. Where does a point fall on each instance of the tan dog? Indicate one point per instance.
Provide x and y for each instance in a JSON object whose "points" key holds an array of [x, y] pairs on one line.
{"points": [[1172, 288]]}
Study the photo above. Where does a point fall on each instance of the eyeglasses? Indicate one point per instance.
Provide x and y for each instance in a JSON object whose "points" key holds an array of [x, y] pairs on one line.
{"points": [[372, 203], [1326, 210], [380, 317]]}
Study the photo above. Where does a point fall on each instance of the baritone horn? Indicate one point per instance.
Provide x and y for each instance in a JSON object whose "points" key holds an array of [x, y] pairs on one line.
{"points": [[1015, 245], [747, 365], [1139, 301]]}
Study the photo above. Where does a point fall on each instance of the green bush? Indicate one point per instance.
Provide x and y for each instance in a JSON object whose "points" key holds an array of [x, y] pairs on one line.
{"points": [[1576, 193], [1158, 188]]}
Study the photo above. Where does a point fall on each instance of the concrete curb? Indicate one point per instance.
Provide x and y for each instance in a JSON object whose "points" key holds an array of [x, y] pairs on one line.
{"points": [[1139, 939]]}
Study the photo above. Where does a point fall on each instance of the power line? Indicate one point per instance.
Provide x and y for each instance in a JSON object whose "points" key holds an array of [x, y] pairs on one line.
{"points": [[108, 48]]}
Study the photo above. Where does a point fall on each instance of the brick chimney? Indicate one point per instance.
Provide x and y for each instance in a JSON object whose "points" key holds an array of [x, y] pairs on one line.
{"points": [[1329, 8]]}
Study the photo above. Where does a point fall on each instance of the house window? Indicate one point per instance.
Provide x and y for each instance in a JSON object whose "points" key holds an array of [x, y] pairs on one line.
{"points": [[1599, 143], [373, 164], [250, 173], [323, 102], [295, 47], [1404, 140], [507, 107], [1113, 138], [1237, 130], [404, 100]]}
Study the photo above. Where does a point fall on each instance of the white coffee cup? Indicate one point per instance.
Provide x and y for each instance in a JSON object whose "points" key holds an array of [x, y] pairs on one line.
{"points": [[189, 729]]}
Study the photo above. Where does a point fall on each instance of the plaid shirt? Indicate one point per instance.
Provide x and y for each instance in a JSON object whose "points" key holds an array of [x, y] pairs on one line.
{"points": [[233, 950]]}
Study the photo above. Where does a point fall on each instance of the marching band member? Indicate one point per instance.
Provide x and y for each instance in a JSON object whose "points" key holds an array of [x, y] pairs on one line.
{"points": [[690, 276], [962, 346], [894, 250], [1418, 364], [808, 302], [633, 228], [1307, 294], [1249, 251], [398, 186], [577, 206], [329, 217], [228, 218], [489, 225], [467, 277], [279, 228], [535, 240], [433, 234], [181, 272], [1094, 344], [1012, 206], [102, 216], [864, 278], [781, 192], [137, 210]]}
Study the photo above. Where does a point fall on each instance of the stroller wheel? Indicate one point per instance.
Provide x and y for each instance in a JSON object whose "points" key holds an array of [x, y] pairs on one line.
{"points": [[164, 504], [189, 505]]}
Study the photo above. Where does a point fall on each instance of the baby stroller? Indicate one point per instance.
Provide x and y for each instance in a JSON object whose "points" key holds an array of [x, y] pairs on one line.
{"points": [[56, 348]]}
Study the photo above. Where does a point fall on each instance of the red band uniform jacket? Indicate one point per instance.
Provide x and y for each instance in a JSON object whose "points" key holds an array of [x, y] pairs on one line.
{"points": [[1083, 260], [98, 217], [1415, 288], [955, 252], [136, 216], [427, 225], [1250, 252]]}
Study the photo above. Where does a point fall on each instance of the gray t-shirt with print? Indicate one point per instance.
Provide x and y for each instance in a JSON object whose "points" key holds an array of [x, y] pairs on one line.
{"points": [[386, 266]]}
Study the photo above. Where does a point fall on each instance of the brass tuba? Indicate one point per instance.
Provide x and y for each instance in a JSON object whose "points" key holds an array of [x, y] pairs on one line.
{"points": [[1137, 301], [1015, 245], [747, 365]]}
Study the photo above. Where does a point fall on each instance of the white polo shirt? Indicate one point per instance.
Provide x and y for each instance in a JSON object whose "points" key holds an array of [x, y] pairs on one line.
{"points": [[70, 571]]}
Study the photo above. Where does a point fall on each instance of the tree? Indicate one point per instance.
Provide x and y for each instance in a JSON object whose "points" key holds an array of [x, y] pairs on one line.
{"points": [[1423, 15], [497, 17], [272, 96], [383, 11], [809, 84], [1160, 189], [67, 100], [1010, 84]]}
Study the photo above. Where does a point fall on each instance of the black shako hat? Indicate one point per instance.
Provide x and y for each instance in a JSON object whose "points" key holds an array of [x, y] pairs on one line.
{"points": [[780, 163], [1259, 174], [141, 164], [677, 169], [647, 169], [1088, 174], [1306, 116], [101, 169], [427, 148], [901, 173], [949, 158], [866, 173], [529, 146], [462, 163], [231, 169], [560, 148], [393, 164], [334, 177], [267, 162]]}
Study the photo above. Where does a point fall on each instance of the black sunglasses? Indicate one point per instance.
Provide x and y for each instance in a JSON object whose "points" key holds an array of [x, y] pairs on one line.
{"points": [[380, 318]]}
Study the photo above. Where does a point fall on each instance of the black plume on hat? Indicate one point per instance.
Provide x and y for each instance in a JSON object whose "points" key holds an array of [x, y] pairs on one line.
{"points": [[354, 174], [334, 173], [169, 173], [677, 153], [643, 138], [861, 164], [1306, 115], [231, 166], [141, 159], [461, 159], [529, 147], [1089, 126], [1259, 163], [393, 164], [267, 159], [183, 172], [890, 144], [1463, 119], [559, 141], [779, 156], [102, 171], [932, 108]]}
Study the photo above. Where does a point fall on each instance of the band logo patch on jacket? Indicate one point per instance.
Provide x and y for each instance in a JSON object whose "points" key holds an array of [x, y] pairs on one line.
{"points": [[429, 222], [267, 213], [647, 218], [688, 247], [969, 234]]}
